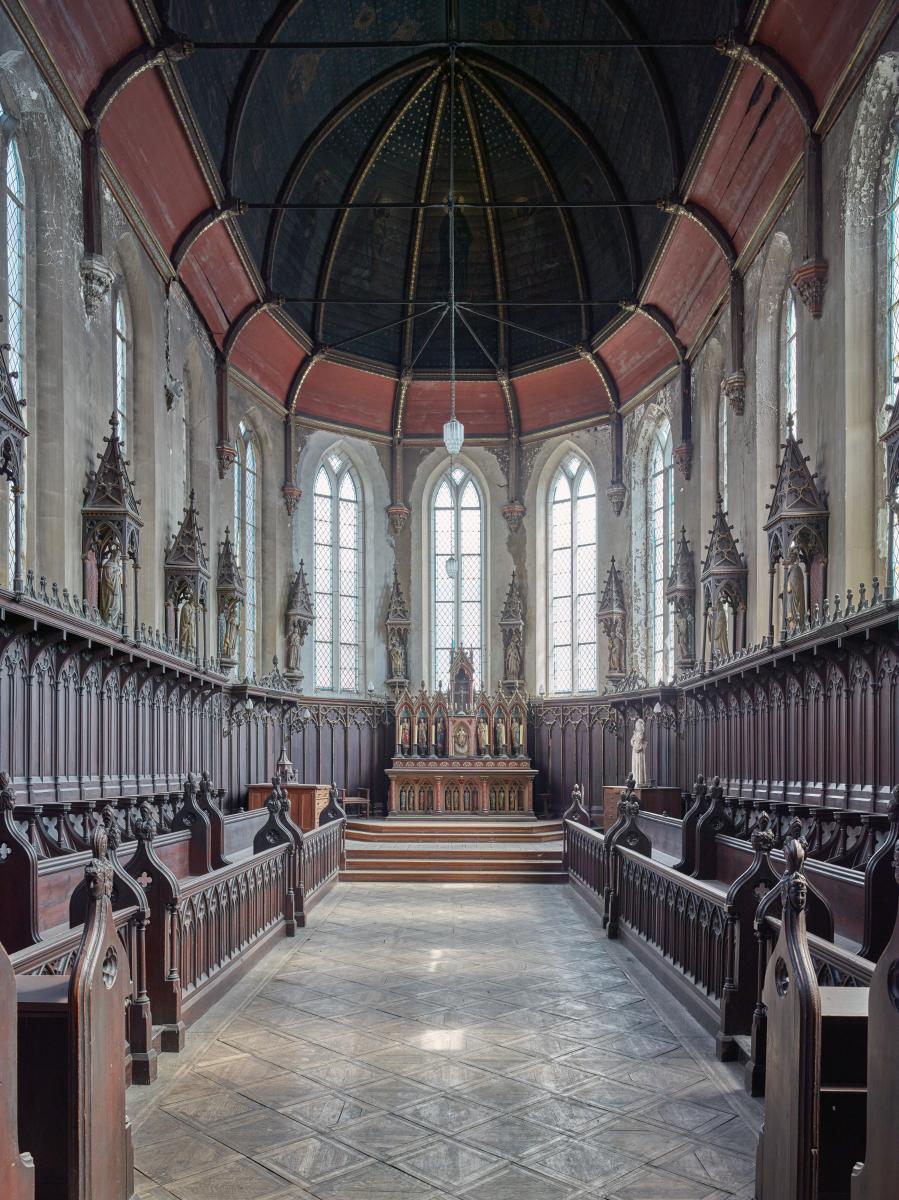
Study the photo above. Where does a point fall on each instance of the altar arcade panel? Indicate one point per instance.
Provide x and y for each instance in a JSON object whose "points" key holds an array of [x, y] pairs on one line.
{"points": [[459, 752]]}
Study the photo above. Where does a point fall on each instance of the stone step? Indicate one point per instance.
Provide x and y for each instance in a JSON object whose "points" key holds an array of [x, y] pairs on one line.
{"points": [[473, 853], [473, 830], [411, 871]]}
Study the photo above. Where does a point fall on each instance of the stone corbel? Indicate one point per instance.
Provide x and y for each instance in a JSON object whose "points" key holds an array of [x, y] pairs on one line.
{"points": [[97, 278], [513, 514], [397, 516]]}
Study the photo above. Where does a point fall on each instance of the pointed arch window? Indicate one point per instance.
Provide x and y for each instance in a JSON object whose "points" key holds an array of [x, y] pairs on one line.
{"points": [[246, 532], [572, 577], [457, 537], [15, 310], [120, 362], [722, 445], [790, 375], [892, 382], [659, 552], [337, 572]]}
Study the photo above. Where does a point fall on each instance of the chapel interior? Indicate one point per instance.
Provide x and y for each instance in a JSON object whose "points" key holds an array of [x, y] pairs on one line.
{"points": [[449, 600]]}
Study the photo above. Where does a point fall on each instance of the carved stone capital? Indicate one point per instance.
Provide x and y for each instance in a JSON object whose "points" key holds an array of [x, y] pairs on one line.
{"points": [[291, 494], [617, 494], [173, 390], [96, 279], [513, 514], [734, 388], [226, 454], [809, 282], [397, 516], [683, 458]]}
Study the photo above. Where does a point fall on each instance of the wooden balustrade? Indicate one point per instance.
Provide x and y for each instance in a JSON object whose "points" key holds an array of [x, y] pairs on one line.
{"points": [[324, 855]]}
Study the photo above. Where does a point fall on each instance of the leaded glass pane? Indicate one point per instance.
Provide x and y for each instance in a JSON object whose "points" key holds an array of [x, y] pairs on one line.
{"points": [[337, 574], [456, 529], [790, 382], [572, 578], [121, 366], [660, 548]]}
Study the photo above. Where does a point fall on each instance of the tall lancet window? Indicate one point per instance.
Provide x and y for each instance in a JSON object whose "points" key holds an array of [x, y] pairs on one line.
{"points": [[572, 577], [15, 308], [120, 363], [457, 572], [246, 529], [722, 445], [337, 575], [790, 386], [660, 551]]}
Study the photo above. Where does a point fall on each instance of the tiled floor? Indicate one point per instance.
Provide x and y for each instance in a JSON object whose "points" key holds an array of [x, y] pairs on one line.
{"points": [[428, 1041]]}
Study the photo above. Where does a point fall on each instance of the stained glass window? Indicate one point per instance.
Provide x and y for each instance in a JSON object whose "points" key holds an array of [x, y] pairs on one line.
{"points": [[120, 366], [246, 530], [458, 602], [337, 574], [660, 551], [15, 308], [789, 364], [572, 577]]}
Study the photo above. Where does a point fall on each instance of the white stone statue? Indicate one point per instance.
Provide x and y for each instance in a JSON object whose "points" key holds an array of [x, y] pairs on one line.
{"points": [[638, 754]]}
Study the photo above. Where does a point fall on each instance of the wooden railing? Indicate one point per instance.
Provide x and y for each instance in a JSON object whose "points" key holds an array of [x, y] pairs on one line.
{"points": [[685, 919], [586, 859], [222, 915], [323, 855]]}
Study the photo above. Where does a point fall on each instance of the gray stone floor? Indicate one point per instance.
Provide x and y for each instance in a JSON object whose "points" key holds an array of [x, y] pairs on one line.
{"points": [[426, 1041]]}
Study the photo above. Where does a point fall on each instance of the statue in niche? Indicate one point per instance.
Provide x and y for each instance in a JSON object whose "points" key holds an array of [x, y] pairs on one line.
{"points": [[397, 653], [405, 734], [294, 645], [499, 735], [440, 735], [110, 588], [513, 654], [187, 643], [795, 586], [91, 579], [683, 632], [615, 635], [421, 734], [229, 626], [721, 631], [517, 734], [460, 739], [483, 736], [638, 753]]}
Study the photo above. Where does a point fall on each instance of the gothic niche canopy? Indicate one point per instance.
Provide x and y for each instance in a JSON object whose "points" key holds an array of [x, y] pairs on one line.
{"points": [[511, 625], [398, 625], [297, 620], [110, 535], [612, 616], [797, 540], [187, 587], [681, 595], [231, 593], [724, 582]]}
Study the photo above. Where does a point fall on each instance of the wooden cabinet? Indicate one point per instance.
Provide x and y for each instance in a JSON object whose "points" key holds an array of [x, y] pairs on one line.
{"points": [[307, 800]]}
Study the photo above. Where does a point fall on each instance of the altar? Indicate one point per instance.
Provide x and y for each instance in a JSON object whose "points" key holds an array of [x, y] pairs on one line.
{"points": [[458, 752]]}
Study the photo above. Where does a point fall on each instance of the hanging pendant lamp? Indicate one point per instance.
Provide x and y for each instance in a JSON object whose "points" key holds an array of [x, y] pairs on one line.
{"points": [[453, 429]]}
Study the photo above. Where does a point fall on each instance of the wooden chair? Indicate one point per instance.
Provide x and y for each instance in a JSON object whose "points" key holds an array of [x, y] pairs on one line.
{"points": [[361, 801]]}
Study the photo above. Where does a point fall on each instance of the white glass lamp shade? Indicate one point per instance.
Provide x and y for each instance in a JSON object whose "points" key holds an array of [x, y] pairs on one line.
{"points": [[452, 566], [453, 436]]}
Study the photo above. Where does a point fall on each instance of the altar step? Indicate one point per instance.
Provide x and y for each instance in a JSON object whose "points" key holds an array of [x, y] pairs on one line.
{"points": [[468, 828], [462, 851]]}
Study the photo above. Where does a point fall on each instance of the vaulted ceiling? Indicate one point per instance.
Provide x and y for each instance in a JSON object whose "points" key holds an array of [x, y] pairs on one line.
{"points": [[329, 121]]}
